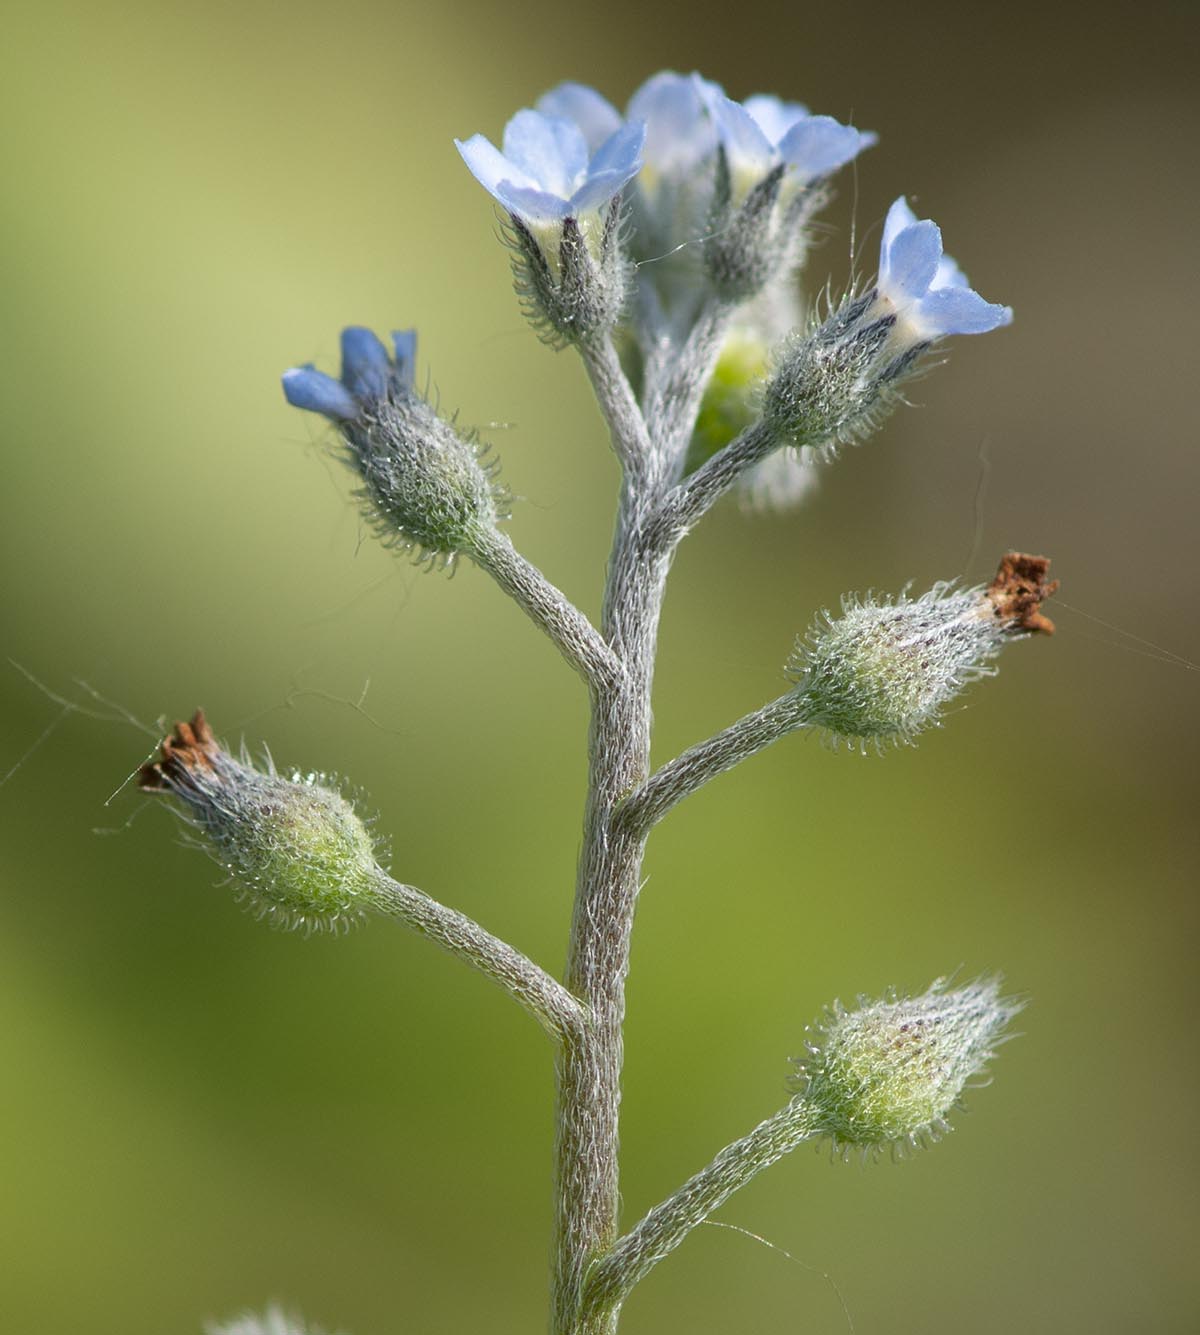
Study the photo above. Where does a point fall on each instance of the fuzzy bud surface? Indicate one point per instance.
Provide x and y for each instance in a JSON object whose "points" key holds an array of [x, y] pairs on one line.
{"points": [[891, 1071], [297, 850], [883, 670], [425, 487]]}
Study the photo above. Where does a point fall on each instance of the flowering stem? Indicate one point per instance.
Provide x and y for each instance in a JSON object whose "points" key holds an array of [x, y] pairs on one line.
{"points": [[681, 777], [589, 1068], [696, 495], [552, 1005], [662, 1230], [630, 439], [579, 642], [676, 377]]}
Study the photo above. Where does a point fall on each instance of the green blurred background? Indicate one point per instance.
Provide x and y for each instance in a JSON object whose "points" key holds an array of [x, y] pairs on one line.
{"points": [[198, 1114]]}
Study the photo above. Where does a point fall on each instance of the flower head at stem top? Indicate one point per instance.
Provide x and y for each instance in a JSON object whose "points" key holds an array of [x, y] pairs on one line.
{"points": [[765, 133], [546, 171], [923, 287]]}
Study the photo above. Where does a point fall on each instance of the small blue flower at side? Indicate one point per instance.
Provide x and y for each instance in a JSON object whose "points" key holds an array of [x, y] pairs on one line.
{"points": [[546, 171], [368, 374], [924, 288], [765, 132]]}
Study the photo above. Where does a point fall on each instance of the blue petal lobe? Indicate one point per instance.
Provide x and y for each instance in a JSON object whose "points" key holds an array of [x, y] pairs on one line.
{"points": [[488, 165], [551, 151], [948, 275], [596, 116], [744, 142], [306, 387], [621, 152], [678, 131], [532, 205], [773, 116], [911, 262], [404, 341], [597, 190], [899, 217], [818, 145], [958, 310], [365, 365]]}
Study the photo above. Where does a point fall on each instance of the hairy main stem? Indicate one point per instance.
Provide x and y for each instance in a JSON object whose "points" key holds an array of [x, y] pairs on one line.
{"points": [[589, 1068]]}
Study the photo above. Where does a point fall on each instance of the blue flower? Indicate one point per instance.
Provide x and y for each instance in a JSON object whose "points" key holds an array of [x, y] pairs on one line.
{"points": [[368, 373], [927, 291], [548, 171], [764, 132], [679, 132]]}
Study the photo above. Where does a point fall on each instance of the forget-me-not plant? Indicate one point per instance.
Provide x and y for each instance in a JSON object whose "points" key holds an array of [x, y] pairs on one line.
{"points": [[664, 246]]}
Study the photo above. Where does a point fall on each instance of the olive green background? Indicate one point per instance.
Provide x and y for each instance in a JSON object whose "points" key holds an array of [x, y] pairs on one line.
{"points": [[197, 1114]]}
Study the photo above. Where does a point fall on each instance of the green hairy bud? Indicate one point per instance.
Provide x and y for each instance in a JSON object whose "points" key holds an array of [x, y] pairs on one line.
{"points": [[425, 487], [298, 852], [571, 277], [882, 671], [890, 1072]]}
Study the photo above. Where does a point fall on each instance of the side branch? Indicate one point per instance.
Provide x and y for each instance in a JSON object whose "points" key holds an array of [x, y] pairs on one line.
{"points": [[579, 642], [613, 1278], [559, 1012], [688, 502], [681, 777], [631, 441]]}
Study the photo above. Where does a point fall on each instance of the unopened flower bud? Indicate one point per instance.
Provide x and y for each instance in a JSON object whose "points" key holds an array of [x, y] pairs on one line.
{"points": [[833, 384], [425, 487], [891, 1071], [733, 398], [296, 849], [882, 671]]}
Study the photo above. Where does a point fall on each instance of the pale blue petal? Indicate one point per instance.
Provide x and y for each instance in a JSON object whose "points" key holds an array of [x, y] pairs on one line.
{"points": [[678, 131], [306, 387], [911, 261], [404, 341], [621, 152], [488, 165], [365, 365], [597, 190], [899, 217], [532, 205], [958, 310], [818, 145], [948, 275], [551, 151], [745, 144], [774, 116], [595, 115]]}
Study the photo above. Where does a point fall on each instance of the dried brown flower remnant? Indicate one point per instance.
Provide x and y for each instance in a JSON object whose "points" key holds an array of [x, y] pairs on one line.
{"points": [[1019, 589], [191, 746]]}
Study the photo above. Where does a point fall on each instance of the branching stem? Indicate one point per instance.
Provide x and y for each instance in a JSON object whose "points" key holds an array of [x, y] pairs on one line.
{"points": [[681, 777], [562, 1015], [662, 1230], [579, 642]]}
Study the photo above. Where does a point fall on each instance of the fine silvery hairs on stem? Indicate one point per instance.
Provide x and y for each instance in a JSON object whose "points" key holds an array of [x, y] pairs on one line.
{"points": [[665, 245]]}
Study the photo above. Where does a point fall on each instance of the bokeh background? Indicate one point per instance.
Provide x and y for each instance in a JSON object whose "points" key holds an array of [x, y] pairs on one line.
{"points": [[197, 1114]]}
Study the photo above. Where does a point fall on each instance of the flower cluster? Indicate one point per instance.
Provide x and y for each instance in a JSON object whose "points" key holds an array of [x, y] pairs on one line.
{"points": [[697, 163]]}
